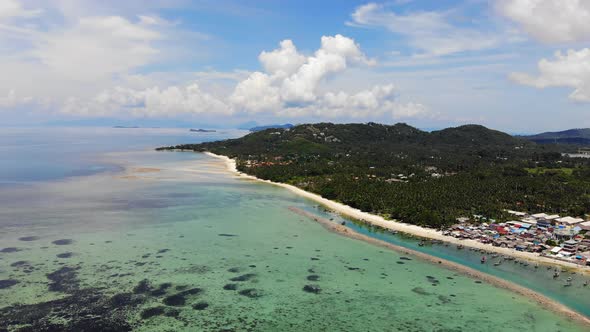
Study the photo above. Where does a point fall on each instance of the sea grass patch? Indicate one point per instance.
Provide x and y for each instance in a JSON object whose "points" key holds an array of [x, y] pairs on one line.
{"points": [[63, 242], [7, 283], [200, 305], [64, 280], [28, 238], [10, 250], [314, 289], [144, 286], [230, 286], [152, 312], [420, 291], [251, 293], [244, 277]]}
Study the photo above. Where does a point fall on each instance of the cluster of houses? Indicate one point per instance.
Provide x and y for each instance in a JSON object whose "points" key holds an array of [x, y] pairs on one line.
{"points": [[563, 238]]}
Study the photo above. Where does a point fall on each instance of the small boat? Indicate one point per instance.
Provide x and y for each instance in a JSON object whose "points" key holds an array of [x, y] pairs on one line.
{"points": [[585, 283], [495, 256], [497, 263], [421, 244], [556, 275], [460, 246], [483, 259]]}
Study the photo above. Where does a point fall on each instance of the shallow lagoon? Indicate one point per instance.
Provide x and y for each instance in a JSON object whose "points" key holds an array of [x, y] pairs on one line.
{"points": [[220, 253]]}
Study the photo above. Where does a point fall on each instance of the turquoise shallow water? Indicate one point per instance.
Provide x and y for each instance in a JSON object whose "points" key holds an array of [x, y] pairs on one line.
{"points": [[540, 279], [219, 253]]}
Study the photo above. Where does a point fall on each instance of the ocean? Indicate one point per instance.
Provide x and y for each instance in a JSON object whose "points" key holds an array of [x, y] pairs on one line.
{"points": [[100, 232]]}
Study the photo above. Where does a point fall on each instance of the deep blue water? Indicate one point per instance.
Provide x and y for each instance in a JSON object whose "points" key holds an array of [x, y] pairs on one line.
{"points": [[42, 154]]}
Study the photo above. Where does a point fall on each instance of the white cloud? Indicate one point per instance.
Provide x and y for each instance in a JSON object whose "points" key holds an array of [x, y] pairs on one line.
{"points": [[151, 102], [550, 21], [12, 99], [10, 9], [571, 69], [97, 47], [432, 33], [97, 62], [283, 61], [257, 93], [293, 79], [290, 85], [379, 100]]}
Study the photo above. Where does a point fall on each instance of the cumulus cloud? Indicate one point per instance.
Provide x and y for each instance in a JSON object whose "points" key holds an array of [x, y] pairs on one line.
{"points": [[289, 86], [379, 100], [151, 102], [570, 69], [293, 79], [550, 21], [430, 32], [283, 61]]}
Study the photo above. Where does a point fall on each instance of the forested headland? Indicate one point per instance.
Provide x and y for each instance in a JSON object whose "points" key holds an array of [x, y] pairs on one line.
{"points": [[419, 177]]}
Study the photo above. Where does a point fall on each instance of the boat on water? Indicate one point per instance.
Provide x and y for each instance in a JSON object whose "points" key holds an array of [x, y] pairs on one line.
{"points": [[460, 246], [498, 263], [483, 259], [556, 275]]}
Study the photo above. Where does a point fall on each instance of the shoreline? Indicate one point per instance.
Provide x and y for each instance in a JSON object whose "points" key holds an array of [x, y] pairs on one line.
{"points": [[419, 231], [540, 299]]}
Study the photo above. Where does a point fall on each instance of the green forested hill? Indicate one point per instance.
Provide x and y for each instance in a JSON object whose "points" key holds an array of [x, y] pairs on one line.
{"points": [[571, 136], [404, 173]]}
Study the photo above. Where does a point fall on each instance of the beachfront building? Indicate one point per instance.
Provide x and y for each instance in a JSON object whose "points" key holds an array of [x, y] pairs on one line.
{"points": [[563, 238], [569, 221], [585, 225], [570, 246]]}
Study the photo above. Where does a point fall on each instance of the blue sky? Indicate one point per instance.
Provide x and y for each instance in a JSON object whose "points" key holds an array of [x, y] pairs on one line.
{"points": [[516, 65]]}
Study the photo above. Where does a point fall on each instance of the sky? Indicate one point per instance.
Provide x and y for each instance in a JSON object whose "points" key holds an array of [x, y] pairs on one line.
{"points": [[521, 66]]}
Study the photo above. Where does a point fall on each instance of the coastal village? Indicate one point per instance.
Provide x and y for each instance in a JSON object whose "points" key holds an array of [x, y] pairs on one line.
{"points": [[561, 238]]}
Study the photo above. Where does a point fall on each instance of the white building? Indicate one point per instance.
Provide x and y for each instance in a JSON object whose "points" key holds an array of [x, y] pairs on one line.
{"points": [[569, 220]]}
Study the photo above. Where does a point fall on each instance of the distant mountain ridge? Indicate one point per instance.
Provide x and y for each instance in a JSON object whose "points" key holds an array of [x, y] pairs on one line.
{"points": [[579, 136], [456, 148]]}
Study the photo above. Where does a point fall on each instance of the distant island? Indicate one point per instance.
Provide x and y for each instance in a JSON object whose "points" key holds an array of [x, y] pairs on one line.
{"points": [[277, 126], [203, 130]]}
